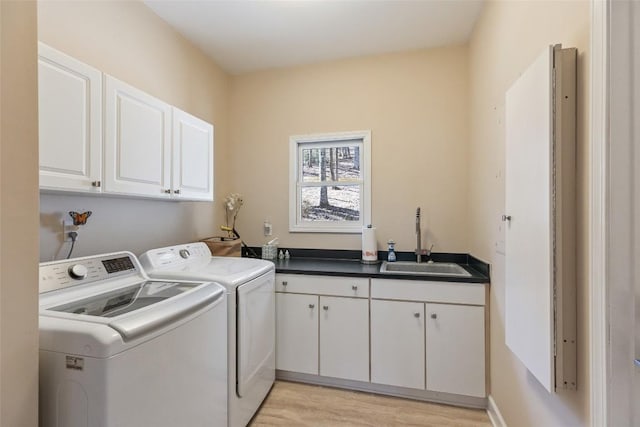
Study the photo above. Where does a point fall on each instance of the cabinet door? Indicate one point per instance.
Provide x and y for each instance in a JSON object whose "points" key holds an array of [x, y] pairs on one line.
{"points": [[137, 142], [192, 176], [455, 349], [344, 338], [70, 122], [297, 333], [397, 343]]}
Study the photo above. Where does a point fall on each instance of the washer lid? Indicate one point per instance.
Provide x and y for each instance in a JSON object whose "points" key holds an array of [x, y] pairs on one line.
{"points": [[125, 300], [140, 309]]}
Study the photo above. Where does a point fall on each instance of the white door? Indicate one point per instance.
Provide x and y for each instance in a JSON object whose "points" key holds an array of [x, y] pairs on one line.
{"points": [[256, 330], [455, 349], [528, 257], [397, 343], [297, 333], [192, 176], [344, 338], [137, 144], [70, 122]]}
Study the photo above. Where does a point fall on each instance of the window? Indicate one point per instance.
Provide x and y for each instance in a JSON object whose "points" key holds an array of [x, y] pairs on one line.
{"points": [[330, 182]]}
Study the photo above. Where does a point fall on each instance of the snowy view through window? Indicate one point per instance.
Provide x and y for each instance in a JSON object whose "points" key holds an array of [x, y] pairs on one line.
{"points": [[336, 197]]}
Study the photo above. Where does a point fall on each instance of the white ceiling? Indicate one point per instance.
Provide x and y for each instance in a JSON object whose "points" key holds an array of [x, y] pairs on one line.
{"points": [[248, 35]]}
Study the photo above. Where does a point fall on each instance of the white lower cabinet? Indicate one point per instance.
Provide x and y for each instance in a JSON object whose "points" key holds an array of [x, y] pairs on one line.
{"points": [[344, 338], [411, 338], [297, 333], [455, 349], [323, 326], [397, 343]]}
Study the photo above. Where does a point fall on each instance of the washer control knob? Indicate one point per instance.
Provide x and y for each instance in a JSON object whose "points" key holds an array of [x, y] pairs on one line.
{"points": [[184, 253], [78, 271]]}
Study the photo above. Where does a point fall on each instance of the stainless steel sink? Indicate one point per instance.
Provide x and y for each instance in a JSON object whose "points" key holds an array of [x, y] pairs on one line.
{"points": [[426, 268]]}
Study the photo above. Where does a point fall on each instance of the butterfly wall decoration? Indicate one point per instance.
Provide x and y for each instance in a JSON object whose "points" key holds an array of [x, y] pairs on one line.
{"points": [[80, 218]]}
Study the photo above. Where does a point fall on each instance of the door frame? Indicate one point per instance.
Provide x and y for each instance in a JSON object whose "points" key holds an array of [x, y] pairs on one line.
{"points": [[598, 215], [612, 244]]}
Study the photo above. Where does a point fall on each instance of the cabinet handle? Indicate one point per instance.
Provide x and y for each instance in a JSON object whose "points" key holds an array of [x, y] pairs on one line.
{"points": [[167, 191], [312, 305], [325, 307], [354, 287], [434, 316], [96, 184], [176, 191], [416, 315], [284, 283]]}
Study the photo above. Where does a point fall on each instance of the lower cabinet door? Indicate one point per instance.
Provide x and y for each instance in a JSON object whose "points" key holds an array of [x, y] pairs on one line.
{"points": [[344, 338], [297, 333], [455, 349], [397, 343]]}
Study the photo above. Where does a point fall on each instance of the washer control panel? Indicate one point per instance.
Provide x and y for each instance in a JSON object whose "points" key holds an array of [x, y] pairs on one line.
{"points": [[64, 273]]}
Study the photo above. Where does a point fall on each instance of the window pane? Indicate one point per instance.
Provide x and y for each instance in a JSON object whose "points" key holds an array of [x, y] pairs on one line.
{"points": [[325, 203], [331, 164]]}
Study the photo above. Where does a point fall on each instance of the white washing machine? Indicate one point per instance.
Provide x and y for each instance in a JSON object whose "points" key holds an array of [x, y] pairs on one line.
{"points": [[250, 287], [120, 350]]}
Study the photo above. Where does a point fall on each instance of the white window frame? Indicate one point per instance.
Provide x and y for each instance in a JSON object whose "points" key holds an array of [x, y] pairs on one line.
{"points": [[296, 144]]}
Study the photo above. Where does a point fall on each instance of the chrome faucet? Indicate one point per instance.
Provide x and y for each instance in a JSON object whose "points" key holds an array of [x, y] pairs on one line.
{"points": [[418, 237]]}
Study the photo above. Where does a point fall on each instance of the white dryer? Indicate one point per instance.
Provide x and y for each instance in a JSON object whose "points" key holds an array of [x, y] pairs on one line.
{"points": [[120, 350], [250, 285]]}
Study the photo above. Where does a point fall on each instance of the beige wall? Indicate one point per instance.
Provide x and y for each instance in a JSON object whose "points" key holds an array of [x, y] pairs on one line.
{"points": [[416, 106], [127, 40], [18, 216], [507, 38]]}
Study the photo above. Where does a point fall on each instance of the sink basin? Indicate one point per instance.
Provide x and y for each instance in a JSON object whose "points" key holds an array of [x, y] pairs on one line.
{"points": [[427, 268]]}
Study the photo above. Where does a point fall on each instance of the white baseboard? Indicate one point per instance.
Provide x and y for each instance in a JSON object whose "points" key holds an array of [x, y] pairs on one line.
{"points": [[494, 413]]}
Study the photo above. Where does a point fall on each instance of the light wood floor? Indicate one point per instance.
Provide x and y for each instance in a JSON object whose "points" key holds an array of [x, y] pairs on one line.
{"points": [[293, 404]]}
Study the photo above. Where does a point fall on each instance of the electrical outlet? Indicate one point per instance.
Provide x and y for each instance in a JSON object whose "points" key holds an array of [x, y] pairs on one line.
{"points": [[67, 227], [67, 236]]}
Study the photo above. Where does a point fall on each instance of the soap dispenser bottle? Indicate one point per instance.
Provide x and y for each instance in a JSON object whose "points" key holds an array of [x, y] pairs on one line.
{"points": [[391, 251]]}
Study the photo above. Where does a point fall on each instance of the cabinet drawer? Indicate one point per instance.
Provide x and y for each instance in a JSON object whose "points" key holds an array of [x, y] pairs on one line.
{"points": [[415, 290], [323, 285]]}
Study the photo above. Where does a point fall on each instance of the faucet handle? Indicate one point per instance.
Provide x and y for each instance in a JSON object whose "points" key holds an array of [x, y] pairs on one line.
{"points": [[428, 251]]}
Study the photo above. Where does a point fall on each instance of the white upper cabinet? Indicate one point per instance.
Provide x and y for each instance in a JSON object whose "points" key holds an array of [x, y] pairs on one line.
{"points": [[144, 148], [137, 143], [70, 122], [192, 176]]}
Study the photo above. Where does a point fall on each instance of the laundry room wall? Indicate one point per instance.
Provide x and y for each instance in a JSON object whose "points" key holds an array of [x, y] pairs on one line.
{"points": [[128, 41], [416, 106], [507, 38], [18, 215]]}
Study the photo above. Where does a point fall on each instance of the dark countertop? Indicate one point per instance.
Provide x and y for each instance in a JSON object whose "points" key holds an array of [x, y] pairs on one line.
{"points": [[347, 263]]}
